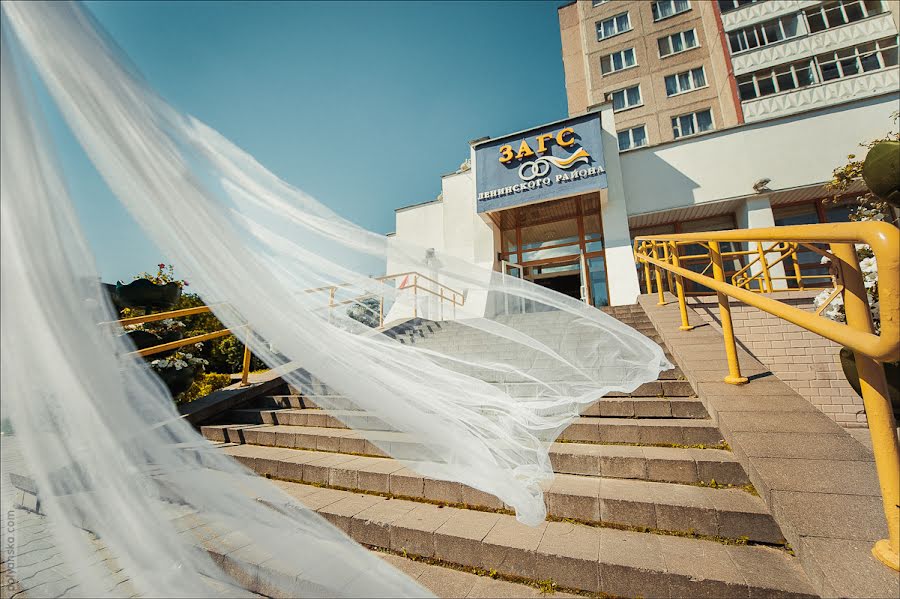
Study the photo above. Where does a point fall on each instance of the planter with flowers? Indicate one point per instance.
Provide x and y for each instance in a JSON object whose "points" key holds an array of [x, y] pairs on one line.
{"points": [[160, 291], [178, 370]]}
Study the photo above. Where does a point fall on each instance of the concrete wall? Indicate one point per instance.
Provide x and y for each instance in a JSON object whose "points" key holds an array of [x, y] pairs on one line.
{"points": [[792, 151], [807, 362]]}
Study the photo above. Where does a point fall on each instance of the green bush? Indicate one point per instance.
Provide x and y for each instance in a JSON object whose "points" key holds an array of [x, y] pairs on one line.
{"points": [[205, 384]]}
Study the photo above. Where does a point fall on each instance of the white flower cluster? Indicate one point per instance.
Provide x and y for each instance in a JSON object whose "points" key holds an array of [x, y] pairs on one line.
{"points": [[178, 361], [869, 267]]}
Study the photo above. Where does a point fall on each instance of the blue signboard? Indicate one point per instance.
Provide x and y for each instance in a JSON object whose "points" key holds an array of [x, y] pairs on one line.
{"points": [[551, 161]]}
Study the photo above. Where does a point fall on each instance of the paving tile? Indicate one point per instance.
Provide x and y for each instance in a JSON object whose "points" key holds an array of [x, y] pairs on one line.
{"points": [[445, 582], [630, 564], [414, 531], [372, 526], [459, 539], [700, 569], [340, 512], [621, 502], [510, 547], [857, 517], [803, 422], [573, 496], [848, 568], [799, 445], [770, 572], [568, 555]]}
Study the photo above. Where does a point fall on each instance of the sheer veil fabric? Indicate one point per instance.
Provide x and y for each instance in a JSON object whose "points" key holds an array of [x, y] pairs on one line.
{"points": [[99, 433]]}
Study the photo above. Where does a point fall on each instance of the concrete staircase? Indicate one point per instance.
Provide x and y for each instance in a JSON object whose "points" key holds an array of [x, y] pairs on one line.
{"points": [[648, 501]]}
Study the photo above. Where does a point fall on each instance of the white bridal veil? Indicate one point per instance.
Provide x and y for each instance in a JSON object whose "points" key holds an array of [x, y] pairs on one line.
{"points": [[99, 434]]}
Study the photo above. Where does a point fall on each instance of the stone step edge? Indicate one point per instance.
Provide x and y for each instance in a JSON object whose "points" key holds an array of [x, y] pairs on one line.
{"points": [[485, 498], [721, 446], [712, 484], [422, 542], [546, 587]]}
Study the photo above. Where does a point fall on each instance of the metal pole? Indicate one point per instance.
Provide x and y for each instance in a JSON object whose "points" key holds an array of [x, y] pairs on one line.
{"points": [[767, 279], [873, 385], [659, 285], [245, 371], [679, 289], [734, 368]]}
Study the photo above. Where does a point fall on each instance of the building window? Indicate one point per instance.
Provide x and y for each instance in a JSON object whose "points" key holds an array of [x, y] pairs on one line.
{"points": [[617, 61], [691, 124], [632, 138], [599, 2], [680, 83], [726, 5], [840, 12], [629, 97], [613, 26], [678, 42], [663, 9], [864, 58], [776, 80], [763, 34]]}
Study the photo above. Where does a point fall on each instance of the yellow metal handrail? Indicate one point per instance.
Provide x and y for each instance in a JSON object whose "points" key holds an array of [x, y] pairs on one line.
{"points": [[660, 251], [156, 349], [445, 293]]}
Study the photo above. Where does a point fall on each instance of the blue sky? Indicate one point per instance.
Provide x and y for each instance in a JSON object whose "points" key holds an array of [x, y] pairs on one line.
{"points": [[401, 86]]}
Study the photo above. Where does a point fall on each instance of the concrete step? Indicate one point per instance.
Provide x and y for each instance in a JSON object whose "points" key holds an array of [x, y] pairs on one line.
{"points": [[665, 464], [639, 407], [725, 513], [670, 431], [574, 556], [448, 582]]}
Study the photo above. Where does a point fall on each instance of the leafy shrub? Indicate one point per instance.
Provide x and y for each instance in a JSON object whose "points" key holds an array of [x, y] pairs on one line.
{"points": [[204, 385]]}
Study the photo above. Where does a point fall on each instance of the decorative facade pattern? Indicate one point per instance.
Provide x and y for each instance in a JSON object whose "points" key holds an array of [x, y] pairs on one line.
{"points": [[825, 94], [763, 11], [801, 47]]}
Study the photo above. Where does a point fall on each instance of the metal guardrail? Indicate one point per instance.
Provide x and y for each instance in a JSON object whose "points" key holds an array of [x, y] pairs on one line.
{"points": [[419, 282], [661, 253]]}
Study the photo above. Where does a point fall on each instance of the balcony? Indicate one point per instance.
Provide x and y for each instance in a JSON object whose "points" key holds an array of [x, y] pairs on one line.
{"points": [[823, 94], [763, 11], [797, 48]]}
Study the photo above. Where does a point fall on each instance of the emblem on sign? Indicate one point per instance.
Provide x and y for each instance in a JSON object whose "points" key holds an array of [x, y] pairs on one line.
{"points": [[541, 166]]}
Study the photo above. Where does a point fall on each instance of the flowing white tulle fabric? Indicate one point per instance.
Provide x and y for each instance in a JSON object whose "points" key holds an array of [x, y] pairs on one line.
{"points": [[99, 433]]}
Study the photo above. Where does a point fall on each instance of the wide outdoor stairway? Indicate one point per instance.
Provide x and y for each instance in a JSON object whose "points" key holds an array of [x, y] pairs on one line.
{"points": [[647, 500]]}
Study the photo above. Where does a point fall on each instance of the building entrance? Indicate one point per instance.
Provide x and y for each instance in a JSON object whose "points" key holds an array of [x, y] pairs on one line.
{"points": [[558, 245]]}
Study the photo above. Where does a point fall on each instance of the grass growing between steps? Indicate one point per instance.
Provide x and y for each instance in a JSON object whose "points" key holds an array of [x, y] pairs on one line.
{"points": [[691, 534], [546, 587], [723, 445]]}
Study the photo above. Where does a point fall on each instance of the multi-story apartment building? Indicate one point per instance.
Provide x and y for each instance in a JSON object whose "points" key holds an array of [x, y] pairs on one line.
{"points": [[674, 68], [793, 55]]}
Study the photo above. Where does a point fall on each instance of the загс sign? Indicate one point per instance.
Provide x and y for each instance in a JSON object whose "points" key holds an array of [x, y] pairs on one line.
{"points": [[551, 161]]}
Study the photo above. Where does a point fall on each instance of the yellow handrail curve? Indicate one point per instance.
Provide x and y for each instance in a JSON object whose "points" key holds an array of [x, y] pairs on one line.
{"points": [[857, 334]]}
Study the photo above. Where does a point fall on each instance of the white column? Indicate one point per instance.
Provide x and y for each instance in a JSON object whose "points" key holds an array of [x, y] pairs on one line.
{"points": [[620, 267], [756, 213]]}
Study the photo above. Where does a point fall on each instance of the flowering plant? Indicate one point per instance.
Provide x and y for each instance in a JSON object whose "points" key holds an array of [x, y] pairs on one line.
{"points": [[178, 361], [164, 274], [159, 327], [869, 267]]}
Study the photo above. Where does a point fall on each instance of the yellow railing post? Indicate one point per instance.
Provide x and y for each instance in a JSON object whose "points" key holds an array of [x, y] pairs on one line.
{"points": [[767, 278], [679, 289], [796, 262], [659, 285], [873, 385], [669, 284], [245, 370], [734, 368], [647, 280]]}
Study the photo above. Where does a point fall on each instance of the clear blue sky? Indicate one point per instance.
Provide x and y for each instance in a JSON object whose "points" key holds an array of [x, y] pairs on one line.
{"points": [[403, 85]]}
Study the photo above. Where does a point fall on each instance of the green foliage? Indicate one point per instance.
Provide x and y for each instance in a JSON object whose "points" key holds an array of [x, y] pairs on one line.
{"points": [[867, 205], [366, 311], [204, 385]]}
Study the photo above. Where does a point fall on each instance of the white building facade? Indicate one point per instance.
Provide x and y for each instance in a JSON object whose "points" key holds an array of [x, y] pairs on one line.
{"points": [[578, 240]]}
